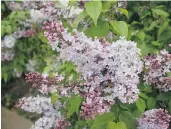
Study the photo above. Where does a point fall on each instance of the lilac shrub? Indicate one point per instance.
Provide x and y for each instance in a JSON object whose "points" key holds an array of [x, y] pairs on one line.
{"points": [[154, 119]]}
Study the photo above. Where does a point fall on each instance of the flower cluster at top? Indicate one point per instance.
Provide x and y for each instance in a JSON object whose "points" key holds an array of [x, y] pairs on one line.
{"points": [[158, 69], [154, 119]]}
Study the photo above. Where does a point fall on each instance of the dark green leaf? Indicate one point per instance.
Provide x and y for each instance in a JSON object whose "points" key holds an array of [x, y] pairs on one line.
{"points": [[164, 96], [151, 102], [128, 119], [102, 120], [74, 102]]}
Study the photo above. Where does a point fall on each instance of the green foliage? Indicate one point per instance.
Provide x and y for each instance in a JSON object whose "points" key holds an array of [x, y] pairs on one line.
{"points": [[93, 8], [74, 104], [97, 30], [119, 125], [102, 120], [128, 119], [54, 98], [140, 103], [120, 27], [79, 18], [151, 102]]}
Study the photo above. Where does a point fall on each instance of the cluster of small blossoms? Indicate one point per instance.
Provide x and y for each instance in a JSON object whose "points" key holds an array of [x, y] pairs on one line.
{"points": [[158, 66], [154, 119], [62, 124], [102, 65], [53, 31], [25, 5], [93, 104], [8, 42], [6, 48], [42, 105], [38, 79], [7, 54], [30, 32]]}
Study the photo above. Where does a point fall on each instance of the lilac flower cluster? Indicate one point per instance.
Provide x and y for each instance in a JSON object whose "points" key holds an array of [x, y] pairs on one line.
{"points": [[6, 46], [30, 32], [158, 66], [103, 65], [25, 5], [42, 105], [62, 124], [52, 30], [38, 80], [154, 119], [93, 104]]}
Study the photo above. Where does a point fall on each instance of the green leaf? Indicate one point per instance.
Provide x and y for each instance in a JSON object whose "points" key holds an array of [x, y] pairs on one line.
{"points": [[119, 125], [142, 95], [168, 74], [93, 8], [124, 11], [47, 68], [8, 29], [140, 103], [120, 27], [160, 12], [79, 18], [21, 14], [128, 119], [97, 30], [136, 113], [74, 102], [146, 49], [54, 98], [106, 5], [156, 43], [2, 30], [164, 96], [152, 25], [102, 120], [163, 27], [169, 104], [5, 76], [151, 102], [165, 35]]}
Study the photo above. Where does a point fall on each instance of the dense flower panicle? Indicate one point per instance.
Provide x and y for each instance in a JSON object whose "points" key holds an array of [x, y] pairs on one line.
{"points": [[117, 65], [158, 66], [30, 32], [154, 119], [53, 31], [25, 5], [93, 104], [7, 54], [35, 104], [38, 80], [62, 124], [42, 105], [9, 41], [37, 15]]}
